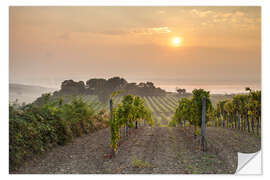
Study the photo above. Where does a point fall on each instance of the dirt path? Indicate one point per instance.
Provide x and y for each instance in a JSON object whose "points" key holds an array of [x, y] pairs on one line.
{"points": [[165, 150]]}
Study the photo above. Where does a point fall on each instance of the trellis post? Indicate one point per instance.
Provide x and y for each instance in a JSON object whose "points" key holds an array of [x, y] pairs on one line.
{"points": [[203, 143], [111, 119], [126, 129], [238, 120]]}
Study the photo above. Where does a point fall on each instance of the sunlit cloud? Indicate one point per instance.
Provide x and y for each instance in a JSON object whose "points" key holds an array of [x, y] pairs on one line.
{"points": [[161, 12], [201, 13], [131, 31], [214, 17], [150, 31]]}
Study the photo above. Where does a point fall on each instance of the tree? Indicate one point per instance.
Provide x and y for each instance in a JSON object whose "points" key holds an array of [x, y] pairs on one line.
{"points": [[181, 91], [72, 87], [95, 85]]}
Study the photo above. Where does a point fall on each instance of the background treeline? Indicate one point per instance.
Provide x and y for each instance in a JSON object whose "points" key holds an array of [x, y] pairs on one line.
{"points": [[103, 88], [35, 129]]}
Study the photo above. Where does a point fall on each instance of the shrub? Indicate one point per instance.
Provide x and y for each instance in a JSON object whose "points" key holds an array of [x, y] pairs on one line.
{"points": [[35, 129]]}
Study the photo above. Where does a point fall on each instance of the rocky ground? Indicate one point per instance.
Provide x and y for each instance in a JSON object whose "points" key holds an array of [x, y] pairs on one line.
{"points": [[156, 150]]}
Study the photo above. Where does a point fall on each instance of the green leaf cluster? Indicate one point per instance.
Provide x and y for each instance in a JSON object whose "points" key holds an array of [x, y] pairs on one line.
{"points": [[130, 110], [35, 129]]}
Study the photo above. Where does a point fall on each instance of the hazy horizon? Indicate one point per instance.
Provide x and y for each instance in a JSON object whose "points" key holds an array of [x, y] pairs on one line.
{"points": [[216, 46], [170, 86]]}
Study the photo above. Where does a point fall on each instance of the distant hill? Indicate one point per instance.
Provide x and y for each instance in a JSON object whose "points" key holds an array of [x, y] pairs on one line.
{"points": [[26, 93]]}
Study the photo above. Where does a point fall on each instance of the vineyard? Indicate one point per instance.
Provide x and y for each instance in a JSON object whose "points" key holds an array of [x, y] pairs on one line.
{"points": [[149, 134]]}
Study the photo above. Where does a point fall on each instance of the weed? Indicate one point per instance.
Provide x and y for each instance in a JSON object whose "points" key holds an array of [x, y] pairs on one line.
{"points": [[179, 156], [136, 163]]}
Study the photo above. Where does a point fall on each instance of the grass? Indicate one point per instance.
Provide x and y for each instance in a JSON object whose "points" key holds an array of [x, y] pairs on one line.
{"points": [[163, 125], [180, 156], [136, 163]]}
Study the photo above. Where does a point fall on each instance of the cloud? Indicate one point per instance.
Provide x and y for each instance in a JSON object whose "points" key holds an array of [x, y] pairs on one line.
{"points": [[240, 14], [201, 13], [160, 30], [227, 15], [139, 31], [215, 17], [114, 32], [161, 12]]}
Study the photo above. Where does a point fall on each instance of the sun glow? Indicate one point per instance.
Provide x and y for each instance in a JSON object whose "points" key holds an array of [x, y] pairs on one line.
{"points": [[176, 41]]}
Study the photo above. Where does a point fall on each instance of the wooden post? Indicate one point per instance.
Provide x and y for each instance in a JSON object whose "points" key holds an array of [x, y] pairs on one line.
{"points": [[111, 112], [245, 123], [235, 123], [238, 120], [257, 127], [203, 143], [223, 121], [127, 129], [248, 123], [252, 124], [111, 107], [120, 132]]}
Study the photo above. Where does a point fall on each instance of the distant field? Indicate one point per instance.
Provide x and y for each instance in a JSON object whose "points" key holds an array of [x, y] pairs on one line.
{"points": [[162, 107]]}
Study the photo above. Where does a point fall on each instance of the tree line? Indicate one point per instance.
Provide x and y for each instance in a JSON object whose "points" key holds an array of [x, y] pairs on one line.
{"points": [[103, 88]]}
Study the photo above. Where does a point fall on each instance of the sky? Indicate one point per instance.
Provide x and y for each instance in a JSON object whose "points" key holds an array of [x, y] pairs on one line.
{"points": [[165, 45]]}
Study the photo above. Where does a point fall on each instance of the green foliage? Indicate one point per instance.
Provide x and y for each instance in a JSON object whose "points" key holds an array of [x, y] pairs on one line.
{"points": [[254, 105], [197, 97], [244, 105], [191, 109], [182, 112], [172, 123], [35, 129], [130, 110]]}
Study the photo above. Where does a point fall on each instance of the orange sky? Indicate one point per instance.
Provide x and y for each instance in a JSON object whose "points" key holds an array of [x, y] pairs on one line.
{"points": [[219, 44]]}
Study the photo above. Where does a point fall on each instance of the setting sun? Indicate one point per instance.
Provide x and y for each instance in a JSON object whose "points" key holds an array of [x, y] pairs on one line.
{"points": [[176, 41]]}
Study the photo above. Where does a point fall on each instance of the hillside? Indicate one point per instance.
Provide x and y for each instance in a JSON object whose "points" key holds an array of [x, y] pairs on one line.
{"points": [[26, 93], [147, 150]]}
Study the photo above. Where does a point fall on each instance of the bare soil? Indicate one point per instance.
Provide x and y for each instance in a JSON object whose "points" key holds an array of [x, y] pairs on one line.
{"points": [[156, 150]]}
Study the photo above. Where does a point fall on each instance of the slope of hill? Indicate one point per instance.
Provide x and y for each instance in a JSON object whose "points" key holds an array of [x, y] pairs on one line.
{"points": [[26, 93]]}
